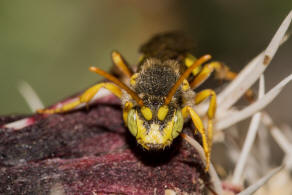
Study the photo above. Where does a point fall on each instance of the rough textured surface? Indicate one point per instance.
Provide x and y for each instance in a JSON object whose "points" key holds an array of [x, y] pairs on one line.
{"points": [[91, 152]]}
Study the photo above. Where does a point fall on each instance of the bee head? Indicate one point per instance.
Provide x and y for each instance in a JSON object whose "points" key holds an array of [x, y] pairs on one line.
{"points": [[155, 125], [156, 119]]}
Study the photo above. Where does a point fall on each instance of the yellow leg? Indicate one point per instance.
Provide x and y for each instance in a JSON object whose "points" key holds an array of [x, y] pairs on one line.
{"points": [[200, 127], [121, 64], [205, 73], [84, 98], [201, 96], [189, 60], [222, 72]]}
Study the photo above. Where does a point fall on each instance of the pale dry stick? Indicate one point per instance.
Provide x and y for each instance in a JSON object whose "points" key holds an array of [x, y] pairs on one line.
{"points": [[264, 150], [287, 130], [251, 72], [249, 140], [248, 76], [250, 69], [253, 188], [212, 172], [234, 117], [280, 138], [30, 96], [251, 174], [19, 124]]}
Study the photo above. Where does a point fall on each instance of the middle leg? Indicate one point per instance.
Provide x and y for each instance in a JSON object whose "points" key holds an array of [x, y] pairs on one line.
{"points": [[201, 96], [83, 98], [188, 111]]}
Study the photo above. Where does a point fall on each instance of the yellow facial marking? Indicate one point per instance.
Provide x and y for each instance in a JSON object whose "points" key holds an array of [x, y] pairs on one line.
{"points": [[133, 79], [146, 112], [162, 112], [154, 137], [160, 138], [128, 106]]}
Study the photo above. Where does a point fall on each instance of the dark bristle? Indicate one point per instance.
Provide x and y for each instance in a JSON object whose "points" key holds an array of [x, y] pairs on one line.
{"points": [[156, 80]]}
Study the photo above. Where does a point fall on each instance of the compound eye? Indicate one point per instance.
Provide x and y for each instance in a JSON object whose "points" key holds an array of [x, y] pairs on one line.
{"points": [[132, 122], [178, 124]]}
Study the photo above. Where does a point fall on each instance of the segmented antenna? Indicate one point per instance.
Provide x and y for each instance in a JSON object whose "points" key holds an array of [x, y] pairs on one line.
{"points": [[185, 75], [118, 83]]}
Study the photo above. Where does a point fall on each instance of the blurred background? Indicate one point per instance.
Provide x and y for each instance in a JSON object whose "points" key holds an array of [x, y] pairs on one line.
{"points": [[51, 44]]}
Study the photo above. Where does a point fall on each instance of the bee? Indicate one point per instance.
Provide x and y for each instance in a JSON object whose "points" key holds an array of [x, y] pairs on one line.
{"points": [[160, 95]]}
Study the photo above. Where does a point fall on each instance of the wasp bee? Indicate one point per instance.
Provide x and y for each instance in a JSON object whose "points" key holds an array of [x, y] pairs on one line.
{"points": [[160, 95]]}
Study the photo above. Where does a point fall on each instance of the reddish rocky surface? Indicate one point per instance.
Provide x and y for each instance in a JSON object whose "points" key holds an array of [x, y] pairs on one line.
{"points": [[90, 151]]}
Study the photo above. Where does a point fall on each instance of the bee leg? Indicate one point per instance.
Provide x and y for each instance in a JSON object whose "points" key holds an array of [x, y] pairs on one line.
{"points": [[189, 60], [84, 98], [121, 64], [207, 71], [201, 96], [222, 73], [202, 73], [200, 127]]}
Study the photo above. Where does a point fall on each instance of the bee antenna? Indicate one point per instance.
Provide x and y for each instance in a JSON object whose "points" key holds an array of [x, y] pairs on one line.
{"points": [[118, 83], [185, 75]]}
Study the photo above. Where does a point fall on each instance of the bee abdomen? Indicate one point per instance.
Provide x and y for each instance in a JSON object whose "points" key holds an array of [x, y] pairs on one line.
{"points": [[170, 45]]}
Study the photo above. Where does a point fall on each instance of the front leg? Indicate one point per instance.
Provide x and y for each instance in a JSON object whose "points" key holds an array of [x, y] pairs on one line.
{"points": [[188, 111], [84, 98], [201, 96]]}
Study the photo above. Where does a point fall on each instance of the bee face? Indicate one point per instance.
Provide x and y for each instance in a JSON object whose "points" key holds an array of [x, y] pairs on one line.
{"points": [[155, 133]]}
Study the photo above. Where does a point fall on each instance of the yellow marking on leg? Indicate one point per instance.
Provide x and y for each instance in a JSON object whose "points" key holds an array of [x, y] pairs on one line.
{"points": [[90, 93], [184, 112], [222, 72], [66, 107], [121, 64], [200, 127], [210, 134], [69, 106], [205, 73], [201, 96], [185, 85], [133, 79], [84, 98], [189, 60]]}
